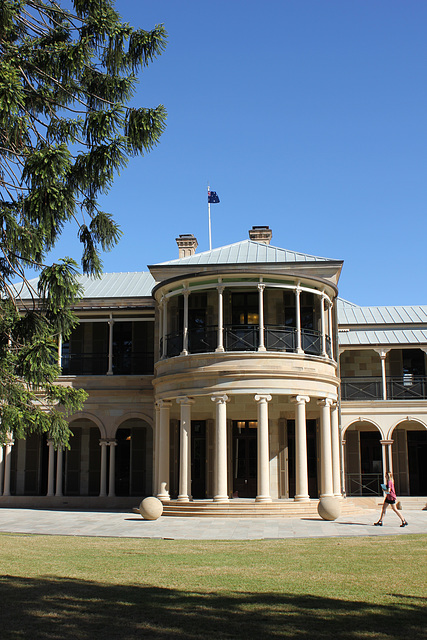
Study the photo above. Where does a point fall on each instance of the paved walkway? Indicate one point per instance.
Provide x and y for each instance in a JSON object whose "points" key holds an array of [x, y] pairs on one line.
{"points": [[131, 525]]}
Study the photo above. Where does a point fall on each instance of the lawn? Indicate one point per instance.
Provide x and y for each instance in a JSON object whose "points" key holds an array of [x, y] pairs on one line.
{"points": [[88, 588]]}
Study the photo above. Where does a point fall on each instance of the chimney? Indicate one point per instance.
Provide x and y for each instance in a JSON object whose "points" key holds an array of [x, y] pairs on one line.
{"points": [[187, 245], [261, 234]]}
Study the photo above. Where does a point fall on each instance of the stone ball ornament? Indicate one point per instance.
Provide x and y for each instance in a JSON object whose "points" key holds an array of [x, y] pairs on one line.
{"points": [[329, 508], [151, 508]]}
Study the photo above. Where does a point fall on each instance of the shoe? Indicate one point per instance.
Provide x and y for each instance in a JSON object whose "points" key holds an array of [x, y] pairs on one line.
{"points": [[404, 524], [379, 524]]}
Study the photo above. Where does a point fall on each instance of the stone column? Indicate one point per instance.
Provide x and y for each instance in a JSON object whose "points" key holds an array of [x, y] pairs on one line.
{"points": [[386, 457], [301, 462], [263, 493], [323, 325], [220, 346], [344, 481], [110, 347], [164, 327], [112, 471], [185, 449], [383, 355], [103, 472], [184, 351], [59, 461], [326, 485], [164, 419], [51, 470], [156, 488], [221, 483], [335, 436], [1, 469], [331, 333], [60, 350], [7, 467], [261, 288], [298, 319]]}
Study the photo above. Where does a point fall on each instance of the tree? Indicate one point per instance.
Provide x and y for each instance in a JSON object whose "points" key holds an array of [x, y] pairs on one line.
{"points": [[66, 129]]}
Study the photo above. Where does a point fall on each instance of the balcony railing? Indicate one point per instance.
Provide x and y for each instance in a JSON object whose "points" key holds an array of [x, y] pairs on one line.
{"points": [[404, 387], [246, 338], [96, 364], [363, 484]]}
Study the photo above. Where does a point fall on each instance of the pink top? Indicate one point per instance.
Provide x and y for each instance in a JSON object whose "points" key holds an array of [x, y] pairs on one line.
{"points": [[391, 491]]}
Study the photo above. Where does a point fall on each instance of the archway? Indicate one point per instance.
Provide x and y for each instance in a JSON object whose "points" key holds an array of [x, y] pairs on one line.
{"points": [[29, 466], [363, 459], [134, 458], [409, 458]]}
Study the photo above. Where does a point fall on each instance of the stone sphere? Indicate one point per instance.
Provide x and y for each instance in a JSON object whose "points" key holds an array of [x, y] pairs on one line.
{"points": [[329, 508], [151, 508]]}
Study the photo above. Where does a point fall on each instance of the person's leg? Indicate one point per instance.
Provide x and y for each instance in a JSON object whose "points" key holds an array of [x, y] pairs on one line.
{"points": [[383, 510], [397, 512]]}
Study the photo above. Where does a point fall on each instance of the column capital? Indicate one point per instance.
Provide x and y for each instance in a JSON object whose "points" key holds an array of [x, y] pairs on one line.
{"points": [[220, 288], [164, 404], [300, 399], [386, 441], [103, 441], [112, 443], [220, 399], [265, 397], [185, 401], [382, 353], [325, 402], [261, 286]]}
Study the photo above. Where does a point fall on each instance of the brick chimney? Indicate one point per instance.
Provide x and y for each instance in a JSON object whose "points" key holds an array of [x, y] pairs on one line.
{"points": [[187, 245], [261, 234]]}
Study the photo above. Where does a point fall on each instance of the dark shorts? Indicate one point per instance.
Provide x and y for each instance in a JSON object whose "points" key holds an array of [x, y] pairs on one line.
{"points": [[390, 501]]}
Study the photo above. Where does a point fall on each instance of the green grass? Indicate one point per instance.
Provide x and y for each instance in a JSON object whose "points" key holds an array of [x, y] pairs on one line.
{"points": [[87, 588]]}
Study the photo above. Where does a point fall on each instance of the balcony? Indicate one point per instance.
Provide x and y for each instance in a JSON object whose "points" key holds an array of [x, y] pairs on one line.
{"points": [[246, 338], [405, 387], [96, 364]]}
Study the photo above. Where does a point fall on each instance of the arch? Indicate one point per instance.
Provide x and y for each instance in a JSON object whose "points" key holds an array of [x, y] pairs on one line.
{"points": [[409, 451], [86, 415], [362, 421], [363, 455], [131, 415], [82, 461], [134, 456], [406, 420]]}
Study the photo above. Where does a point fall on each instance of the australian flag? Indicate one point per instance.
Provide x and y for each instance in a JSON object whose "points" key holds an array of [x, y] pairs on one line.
{"points": [[213, 197]]}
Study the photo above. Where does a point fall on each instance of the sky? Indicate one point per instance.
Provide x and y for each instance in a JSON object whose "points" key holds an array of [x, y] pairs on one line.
{"points": [[305, 115]]}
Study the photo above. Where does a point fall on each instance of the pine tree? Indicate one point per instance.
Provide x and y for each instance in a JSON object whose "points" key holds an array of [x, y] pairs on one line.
{"points": [[66, 129]]}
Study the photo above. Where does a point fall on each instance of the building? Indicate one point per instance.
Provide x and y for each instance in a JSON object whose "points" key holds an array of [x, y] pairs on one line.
{"points": [[233, 373]]}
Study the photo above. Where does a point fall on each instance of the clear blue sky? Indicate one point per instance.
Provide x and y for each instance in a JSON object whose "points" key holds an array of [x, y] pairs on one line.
{"points": [[305, 115]]}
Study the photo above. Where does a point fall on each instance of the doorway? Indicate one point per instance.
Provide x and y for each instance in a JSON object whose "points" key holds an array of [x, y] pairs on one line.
{"points": [[245, 458], [198, 459], [417, 455], [311, 430]]}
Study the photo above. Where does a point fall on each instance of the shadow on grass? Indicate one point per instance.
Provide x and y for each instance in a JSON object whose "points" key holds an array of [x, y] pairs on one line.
{"points": [[52, 608]]}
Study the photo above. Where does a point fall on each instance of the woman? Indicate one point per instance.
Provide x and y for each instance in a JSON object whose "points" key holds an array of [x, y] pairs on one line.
{"points": [[390, 499]]}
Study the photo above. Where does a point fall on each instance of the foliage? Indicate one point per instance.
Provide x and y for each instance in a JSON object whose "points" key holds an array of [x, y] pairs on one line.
{"points": [[66, 130]]}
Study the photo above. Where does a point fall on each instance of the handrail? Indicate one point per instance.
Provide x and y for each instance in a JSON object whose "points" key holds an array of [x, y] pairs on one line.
{"points": [[371, 388]]}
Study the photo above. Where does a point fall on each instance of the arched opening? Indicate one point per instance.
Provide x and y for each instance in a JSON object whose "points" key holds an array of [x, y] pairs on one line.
{"points": [[409, 458], [82, 462], [363, 460], [134, 458]]}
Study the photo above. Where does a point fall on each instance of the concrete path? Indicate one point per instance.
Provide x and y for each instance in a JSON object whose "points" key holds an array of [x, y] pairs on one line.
{"points": [[131, 525]]}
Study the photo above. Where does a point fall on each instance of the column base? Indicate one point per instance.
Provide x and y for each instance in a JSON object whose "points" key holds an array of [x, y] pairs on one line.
{"points": [[220, 349], [163, 498], [302, 498], [326, 495], [183, 499], [263, 499], [220, 499], [262, 349]]}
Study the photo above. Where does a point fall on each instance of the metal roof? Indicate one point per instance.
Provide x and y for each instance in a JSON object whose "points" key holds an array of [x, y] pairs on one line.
{"points": [[352, 314], [382, 337], [244, 252], [137, 284]]}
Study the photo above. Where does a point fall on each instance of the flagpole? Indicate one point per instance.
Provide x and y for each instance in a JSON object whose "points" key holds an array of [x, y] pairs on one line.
{"points": [[209, 214]]}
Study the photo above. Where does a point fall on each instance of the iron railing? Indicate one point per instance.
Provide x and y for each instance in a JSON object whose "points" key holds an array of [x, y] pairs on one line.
{"points": [[363, 484], [404, 387], [95, 364]]}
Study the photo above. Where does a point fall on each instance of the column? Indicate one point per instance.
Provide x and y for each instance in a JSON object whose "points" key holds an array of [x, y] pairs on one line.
{"points": [[221, 483], [164, 419], [184, 351], [103, 473], [7, 467], [298, 318], [301, 463], [261, 288], [60, 350], [263, 493], [51, 470], [386, 457], [1, 469], [335, 435], [156, 488], [110, 346], [185, 449], [330, 329], [220, 346], [343, 478], [164, 328], [112, 471], [323, 325], [326, 485], [59, 460]]}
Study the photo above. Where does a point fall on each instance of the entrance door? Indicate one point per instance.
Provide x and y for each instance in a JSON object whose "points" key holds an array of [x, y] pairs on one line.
{"points": [[417, 455], [245, 458], [311, 428], [198, 458]]}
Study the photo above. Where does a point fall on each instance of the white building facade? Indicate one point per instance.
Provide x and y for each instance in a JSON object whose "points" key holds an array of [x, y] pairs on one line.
{"points": [[233, 373]]}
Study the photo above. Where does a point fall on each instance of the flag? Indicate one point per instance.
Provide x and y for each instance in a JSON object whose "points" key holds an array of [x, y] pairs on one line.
{"points": [[213, 197]]}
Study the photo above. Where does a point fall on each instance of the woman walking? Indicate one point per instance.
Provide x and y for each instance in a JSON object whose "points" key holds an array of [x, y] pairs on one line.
{"points": [[390, 499]]}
